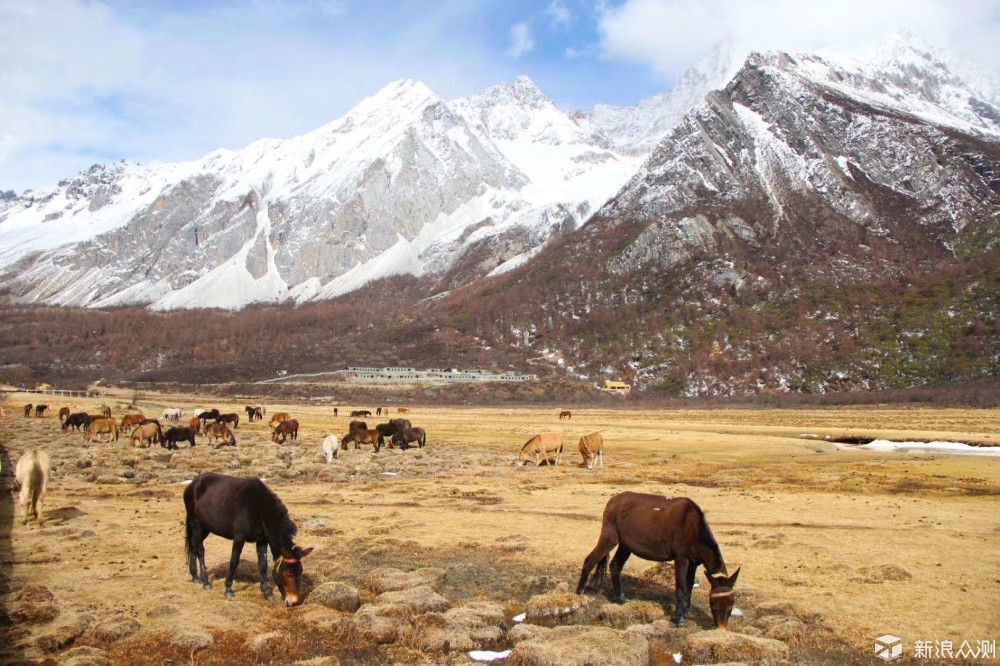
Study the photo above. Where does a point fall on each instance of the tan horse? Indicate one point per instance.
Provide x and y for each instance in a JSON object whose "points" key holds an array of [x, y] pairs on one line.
{"points": [[147, 432], [592, 450], [63, 414], [102, 426], [565, 414], [361, 436], [541, 447], [219, 431], [32, 475], [195, 424], [403, 410], [278, 418]]}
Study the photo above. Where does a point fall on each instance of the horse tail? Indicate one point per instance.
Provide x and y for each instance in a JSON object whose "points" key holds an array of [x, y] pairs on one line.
{"points": [[423, 439], [189, 520], [602, 568]]}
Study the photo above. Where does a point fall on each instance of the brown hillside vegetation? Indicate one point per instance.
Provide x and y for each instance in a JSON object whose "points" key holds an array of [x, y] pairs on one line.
{"points": [[421, 555]]}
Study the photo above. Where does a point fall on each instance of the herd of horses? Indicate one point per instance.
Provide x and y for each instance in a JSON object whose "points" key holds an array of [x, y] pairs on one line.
{"points": [[245, 510]]}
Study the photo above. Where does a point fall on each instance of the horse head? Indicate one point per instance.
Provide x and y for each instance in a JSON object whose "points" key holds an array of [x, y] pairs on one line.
{"points": [[287, 574], [721, 597]]}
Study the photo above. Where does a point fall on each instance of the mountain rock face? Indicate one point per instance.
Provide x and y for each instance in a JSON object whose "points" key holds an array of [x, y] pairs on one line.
{"points": [[818, 157], [816, 225]]}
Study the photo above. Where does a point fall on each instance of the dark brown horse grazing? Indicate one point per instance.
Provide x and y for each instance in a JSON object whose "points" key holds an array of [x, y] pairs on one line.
{"points": [[406, 435], [76, 420], [177, 434], [660, 529], [243, 510], [565, 414], [284, 429], [233, 419]]}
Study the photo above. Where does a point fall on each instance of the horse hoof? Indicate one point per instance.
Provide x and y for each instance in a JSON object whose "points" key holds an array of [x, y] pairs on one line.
{"points": [[679, 621], [207, 586], [268, 596], [621, 600], [229, 594]]}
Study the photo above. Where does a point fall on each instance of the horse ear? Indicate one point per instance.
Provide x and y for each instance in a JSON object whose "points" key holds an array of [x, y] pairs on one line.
{"points": [[732, 579], [305, 551]]}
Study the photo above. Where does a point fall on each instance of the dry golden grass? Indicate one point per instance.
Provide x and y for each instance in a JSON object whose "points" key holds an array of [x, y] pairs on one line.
{"points": [[836, 546]]}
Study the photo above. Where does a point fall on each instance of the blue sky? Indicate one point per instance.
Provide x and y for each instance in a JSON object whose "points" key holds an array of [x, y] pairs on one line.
{"points": [[85, 81]]}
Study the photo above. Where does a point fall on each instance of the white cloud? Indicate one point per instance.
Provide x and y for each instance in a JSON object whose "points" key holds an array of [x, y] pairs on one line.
{"points": [[82, 81], [669, 35], [559, 13], [521, 41]]}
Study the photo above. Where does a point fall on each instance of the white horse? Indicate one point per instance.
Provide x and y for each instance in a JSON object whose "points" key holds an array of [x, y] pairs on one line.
{"points": [[171, 414], [331, 446], [32, 475]]}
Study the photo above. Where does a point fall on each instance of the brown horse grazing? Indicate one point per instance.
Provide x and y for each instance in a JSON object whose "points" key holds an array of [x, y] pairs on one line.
{"points": [[218, 431], [147, 432], [195, 424], [27, 410], [101, 426], [361, 436], [63, 414], [105, 411], [40, 409], [278, 418], [284, 429], [228, 419], [361, 413], [177, 434], [541, 447], [132, 420], [402, 410], [406, 435], [351, 427], [76, 421], [660, 529], [243, 510], [32, 475], [250, 413], [565, 414], [592, 450]]}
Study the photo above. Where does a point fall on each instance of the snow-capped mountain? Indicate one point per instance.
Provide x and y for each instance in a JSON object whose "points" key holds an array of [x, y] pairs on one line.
{"points": [[392, 187], [637, 129], [408, 183], [810, 153]]}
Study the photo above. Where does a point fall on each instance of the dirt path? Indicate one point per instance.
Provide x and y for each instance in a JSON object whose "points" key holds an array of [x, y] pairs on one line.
{"points": [[836, 546]]}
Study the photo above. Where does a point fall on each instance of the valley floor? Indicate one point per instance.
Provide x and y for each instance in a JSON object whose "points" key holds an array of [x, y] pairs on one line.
{"points": [[837, 546]]}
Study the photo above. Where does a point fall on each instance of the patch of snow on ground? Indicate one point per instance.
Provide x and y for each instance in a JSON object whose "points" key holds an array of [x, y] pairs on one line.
{"points": [[931, 447]]}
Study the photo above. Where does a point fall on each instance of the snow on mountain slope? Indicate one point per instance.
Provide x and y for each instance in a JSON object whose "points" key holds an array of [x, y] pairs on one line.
{"points": [[805, 153], [563, 162], [406, 183], [636, 130]]}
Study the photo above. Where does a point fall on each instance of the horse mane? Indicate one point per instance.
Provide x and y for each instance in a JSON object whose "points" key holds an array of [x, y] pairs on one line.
{"points": [[707, 540], [276, 515]]}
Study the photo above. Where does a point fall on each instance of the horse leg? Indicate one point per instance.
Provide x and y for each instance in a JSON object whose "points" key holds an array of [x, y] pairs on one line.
{"points": [[199, 548], [681, 593], [617, 564], [262, 570], [234, 561], [692, 570]]}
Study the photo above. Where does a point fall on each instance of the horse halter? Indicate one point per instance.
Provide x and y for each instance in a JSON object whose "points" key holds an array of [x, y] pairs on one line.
{"points": [[283, 560]]}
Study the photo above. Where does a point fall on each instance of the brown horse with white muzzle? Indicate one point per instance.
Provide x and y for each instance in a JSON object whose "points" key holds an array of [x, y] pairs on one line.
{"points": [[660, 529]]}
